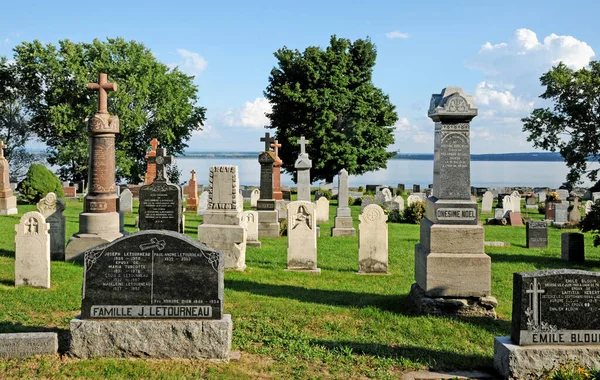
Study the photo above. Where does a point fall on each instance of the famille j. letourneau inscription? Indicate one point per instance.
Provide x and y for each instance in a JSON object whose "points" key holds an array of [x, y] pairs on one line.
{"points": [[560, 307], [153, 274]]}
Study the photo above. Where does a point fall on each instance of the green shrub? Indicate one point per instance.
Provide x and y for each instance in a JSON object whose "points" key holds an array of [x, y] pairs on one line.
{"points": [[38, 182], [394, 216], [591, 223], [361, 189], [569, 370], [400, 192], [356, 202], [414, 213], [327, 194]]}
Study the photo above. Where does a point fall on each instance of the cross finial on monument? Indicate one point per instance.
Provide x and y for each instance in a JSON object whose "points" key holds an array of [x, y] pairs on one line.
{"points": [[276, 145], [161, 160], [103, 86], [2, 146], [268, 140], [193, 173], [303, 142]]}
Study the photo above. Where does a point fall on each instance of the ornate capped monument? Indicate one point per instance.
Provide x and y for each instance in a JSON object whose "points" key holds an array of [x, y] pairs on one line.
{"points": [[450, 262], [268, 221], [8, 202], [303, 165], [100, 220]]}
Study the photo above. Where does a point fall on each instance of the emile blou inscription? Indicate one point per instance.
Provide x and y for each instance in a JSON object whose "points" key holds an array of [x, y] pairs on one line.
{"points": [[153, 274], [556, 307]]}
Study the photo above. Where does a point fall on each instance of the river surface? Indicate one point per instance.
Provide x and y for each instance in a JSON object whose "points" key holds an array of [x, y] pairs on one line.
{"points": [[408, 172]]}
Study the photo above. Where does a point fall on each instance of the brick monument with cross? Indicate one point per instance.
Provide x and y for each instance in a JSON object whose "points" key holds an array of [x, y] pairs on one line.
{"points": [[100, 221], [8, 202], [192, 193], [151, 166], [161, 206], [303, 165], [277, 194]]}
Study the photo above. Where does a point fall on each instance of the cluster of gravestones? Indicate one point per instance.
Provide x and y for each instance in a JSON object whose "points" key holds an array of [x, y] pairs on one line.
{"points": [[158, 293]]}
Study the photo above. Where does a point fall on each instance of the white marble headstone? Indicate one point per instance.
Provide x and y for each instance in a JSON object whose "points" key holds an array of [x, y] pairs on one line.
{"points": [[373, 240], [254, 197], [302, 236], [322, 210], [486, 202], [126, 201], [32, 251], [202, 203]]}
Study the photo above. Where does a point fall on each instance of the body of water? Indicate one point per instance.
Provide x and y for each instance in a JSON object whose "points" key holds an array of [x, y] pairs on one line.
{"points": [[408, 172]]}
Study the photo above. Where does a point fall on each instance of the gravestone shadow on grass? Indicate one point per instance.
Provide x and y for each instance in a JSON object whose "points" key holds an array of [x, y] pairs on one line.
{"points": [[545, 262]]}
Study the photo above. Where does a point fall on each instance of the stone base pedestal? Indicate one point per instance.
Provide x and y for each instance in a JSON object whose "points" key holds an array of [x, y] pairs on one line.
{"points": [[450, 261], [173, 338], [8, 206], [456, 306], [94, 229], [254, 244], [343, 227], [229, 239], [516, 362], [268, 224]]}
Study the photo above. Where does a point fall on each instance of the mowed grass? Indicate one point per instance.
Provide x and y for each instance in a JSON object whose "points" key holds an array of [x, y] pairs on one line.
{"points": [[293, 325]]}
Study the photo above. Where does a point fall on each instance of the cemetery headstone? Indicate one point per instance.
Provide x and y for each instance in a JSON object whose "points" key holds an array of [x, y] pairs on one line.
{"points": [[486, 202], [160, 202], [541, 196], [575, 214], [100, 221], [365, 201], [287, 194], [401, 187], [499, 213], [322, 205], [151, 164], [51, 207], [416, 188], [395, 204], [563, 194], [412, 199], [561, 213], [250, 220], [572, 247], [372, 188], [302, 237], [20, 345], [373, 240], [32, 251], [536, 235], [516, 201], [343, 218], [164, 299], [507, 203], [254, 196], [222, 226], [588, 207], [126, 201], [202, 203], [192, 193], [383, 195], [277, 194], [554, 318], [303, 165], [516, 219], [70, 192], [451, 247], [268, 221]]}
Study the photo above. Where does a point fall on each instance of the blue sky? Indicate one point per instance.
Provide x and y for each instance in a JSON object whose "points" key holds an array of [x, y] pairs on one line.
{"points": [[494, 50]]}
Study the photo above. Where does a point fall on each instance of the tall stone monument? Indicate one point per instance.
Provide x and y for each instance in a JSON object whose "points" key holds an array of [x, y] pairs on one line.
{"points": [[451, 267], [192, 200], [268, 222], [100, 220], [343, 218], [8, 202], [277, 194], [52, 207], [303, 165], [223, 228], [161, 205], [151, 165]]}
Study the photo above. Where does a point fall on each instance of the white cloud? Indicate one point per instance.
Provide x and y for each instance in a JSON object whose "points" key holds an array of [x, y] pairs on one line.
{"points": [[500, 99], [207, 132], [405, 131], [192, 64], [251, 114], [396, 34]]}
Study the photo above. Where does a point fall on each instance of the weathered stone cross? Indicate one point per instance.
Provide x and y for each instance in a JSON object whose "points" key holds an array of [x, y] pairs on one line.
{"points": [[161, 160], [193, 173], [2, 146], [268, 140], [535, 290], [32, 226], [103, 86], [303, 143], [276, 145]]}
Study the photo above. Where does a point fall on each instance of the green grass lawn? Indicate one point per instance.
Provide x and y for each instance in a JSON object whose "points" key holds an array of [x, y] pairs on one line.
{"points": [[293, 325]]}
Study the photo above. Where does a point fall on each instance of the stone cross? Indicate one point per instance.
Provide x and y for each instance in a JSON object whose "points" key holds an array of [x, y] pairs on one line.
{"points": [[161, 160], [193, 174], [103, 86], [276, 147], [535, 290], [303, 143], [268, 140], [2, 146], [154, 144], [32, 226]]}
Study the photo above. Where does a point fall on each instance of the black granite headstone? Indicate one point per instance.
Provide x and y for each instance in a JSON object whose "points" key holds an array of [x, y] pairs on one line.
{"points": [[416, 188], [556, 307], [572, 247], [153, 274], [287, 194], [372, 188], [536, 235], [401, 187]]}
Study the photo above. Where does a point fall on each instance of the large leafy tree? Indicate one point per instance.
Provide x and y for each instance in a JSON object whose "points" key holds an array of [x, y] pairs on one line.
{"points": [[152, 101], [572, 126], [14, 121], [328, 96]]}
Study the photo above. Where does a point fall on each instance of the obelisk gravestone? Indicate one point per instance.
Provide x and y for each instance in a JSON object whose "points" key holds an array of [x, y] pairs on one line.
{"points": [[303, 165]]}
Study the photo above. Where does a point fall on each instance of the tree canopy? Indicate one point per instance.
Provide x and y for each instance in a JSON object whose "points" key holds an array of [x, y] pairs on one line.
{"points": [[152, 101], [572, 126], [328, 96]]}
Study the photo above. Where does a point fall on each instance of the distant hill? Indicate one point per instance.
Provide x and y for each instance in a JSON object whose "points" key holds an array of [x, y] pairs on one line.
{"points": [[533, 156]]}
